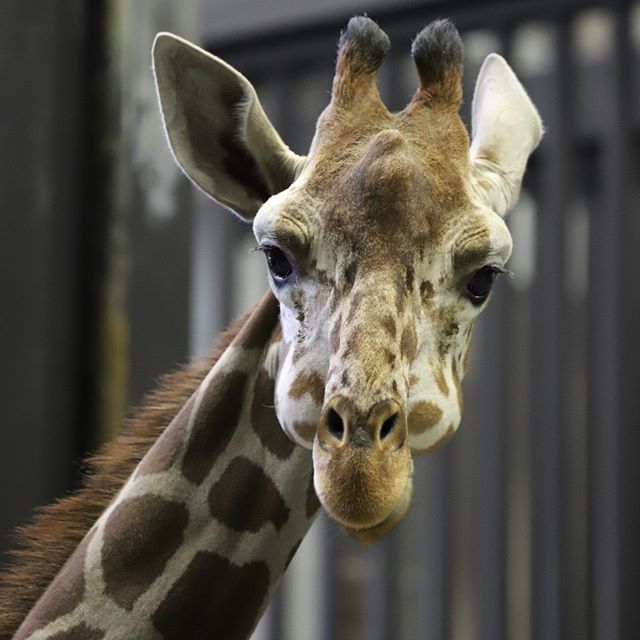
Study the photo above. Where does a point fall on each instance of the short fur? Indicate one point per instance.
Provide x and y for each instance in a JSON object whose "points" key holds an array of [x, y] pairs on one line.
{"points": [[45, 544]]}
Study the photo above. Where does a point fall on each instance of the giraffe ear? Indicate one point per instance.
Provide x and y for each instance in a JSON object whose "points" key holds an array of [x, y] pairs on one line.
{"points": [[216, 128], [506, 129]]}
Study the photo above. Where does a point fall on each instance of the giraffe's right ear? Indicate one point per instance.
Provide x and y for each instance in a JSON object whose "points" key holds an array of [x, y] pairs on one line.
{"points": [[217, 129], [506, 129]]}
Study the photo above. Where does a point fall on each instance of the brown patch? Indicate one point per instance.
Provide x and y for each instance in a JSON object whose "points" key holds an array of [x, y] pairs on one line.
{"points": [[423, 416], [306, 430], [409, 277], [408, 342], [214, 424], [313, 504], [389, 356], [388, 323], [140, 537], [245, 498], [264, 420], [354, 305], [413, 380], [426, 291], [79, 632], [213, 598], [334, 336], [441, 381], [63, 596], [308, 383], [394, 387], [165, 451], [456, 381], [344, 379], [264, 319]]}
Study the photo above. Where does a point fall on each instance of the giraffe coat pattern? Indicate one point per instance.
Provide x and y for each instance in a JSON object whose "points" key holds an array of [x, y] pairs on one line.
{"points": [[383, 244]]}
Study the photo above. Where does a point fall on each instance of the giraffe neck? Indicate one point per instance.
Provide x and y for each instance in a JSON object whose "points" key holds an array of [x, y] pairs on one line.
{"points": [[198, 537]]}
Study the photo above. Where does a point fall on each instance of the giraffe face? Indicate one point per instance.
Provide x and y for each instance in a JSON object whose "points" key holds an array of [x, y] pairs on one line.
{"points": [[382, 245], [380, 266]]}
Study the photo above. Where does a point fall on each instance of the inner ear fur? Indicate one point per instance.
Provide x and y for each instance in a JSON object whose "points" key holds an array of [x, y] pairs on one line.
{"points": [[217, 130]]}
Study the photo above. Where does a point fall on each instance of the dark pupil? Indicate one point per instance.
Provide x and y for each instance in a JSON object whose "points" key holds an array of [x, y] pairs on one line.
{"points": [[481, 282], [278, 263]]}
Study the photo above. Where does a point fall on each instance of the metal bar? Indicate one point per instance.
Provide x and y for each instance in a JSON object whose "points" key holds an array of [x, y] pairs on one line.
{"points": [[604, 366], [548, 349]]}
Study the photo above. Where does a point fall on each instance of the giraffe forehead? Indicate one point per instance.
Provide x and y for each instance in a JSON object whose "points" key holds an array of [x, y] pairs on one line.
{"points": [[391, 187]]}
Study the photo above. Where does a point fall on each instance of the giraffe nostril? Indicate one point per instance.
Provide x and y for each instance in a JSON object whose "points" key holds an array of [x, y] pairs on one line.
{"points": [[388, 426], [335, 424]]}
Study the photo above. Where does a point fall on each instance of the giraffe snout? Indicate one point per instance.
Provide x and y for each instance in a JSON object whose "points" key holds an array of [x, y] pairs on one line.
{"points": [[342, 423], [362, 465]]}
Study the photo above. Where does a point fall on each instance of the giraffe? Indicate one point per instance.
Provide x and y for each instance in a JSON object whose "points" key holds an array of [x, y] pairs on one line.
{"points": [[382, 247]]}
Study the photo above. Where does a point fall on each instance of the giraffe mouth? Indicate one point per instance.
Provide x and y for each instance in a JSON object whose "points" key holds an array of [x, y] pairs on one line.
{"points": [[369, 535], [365, 490]]}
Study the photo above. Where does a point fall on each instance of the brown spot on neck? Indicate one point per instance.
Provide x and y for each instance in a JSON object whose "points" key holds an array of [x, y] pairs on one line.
{"points": [[140, 537], [245, 498], [264, 420], [213, 598], [214, 424]]}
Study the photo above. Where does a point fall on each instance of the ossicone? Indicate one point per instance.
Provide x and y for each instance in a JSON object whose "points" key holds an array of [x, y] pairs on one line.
{"points": [[361, 50], [437, 53]]}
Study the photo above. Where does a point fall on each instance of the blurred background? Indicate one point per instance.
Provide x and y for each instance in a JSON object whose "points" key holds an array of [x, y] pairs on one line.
{"points": [[114, 270]]}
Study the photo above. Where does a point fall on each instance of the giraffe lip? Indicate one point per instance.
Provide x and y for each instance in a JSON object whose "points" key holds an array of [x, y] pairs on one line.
{"points": [[373, 533], [399, 509]]}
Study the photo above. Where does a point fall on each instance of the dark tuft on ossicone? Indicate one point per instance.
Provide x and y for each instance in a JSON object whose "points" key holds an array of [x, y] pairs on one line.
{"points": [[437, 48], [368, 39]]}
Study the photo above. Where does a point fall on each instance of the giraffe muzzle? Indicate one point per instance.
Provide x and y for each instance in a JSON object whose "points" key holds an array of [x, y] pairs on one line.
{"points": [[362, 464]]}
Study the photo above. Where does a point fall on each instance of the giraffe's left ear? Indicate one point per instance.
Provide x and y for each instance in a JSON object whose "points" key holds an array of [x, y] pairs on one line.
{"points": [[217, 129], [506, 129]]}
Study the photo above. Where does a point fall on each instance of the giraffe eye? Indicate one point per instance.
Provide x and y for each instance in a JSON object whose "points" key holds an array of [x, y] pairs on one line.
{"points": [[480, 284], [278, 263]]}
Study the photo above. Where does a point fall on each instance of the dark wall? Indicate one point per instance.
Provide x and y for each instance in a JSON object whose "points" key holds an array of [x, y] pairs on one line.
{"points": [[42, 48]]}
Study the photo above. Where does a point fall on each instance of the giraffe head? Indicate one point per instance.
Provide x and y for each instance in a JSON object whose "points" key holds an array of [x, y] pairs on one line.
{"points": [[382, 245]]}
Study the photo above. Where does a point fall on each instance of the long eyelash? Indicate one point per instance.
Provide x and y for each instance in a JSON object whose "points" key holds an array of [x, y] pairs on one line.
{"points": [[502, 270]]}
